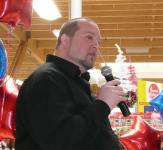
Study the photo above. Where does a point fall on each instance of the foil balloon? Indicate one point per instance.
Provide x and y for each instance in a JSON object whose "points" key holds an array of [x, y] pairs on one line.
{"points": [[3, 60], [141, 137], [8, 96], [16, 12], [157, 103]]}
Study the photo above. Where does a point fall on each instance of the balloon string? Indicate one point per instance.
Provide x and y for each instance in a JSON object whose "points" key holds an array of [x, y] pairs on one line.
{"points": [[7, 78], [7, 35], [4, 80], [3, 101]]}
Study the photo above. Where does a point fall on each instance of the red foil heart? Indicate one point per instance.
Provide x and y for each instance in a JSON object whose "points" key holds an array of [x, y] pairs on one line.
{"points": [[8, 96], [16, 12]]}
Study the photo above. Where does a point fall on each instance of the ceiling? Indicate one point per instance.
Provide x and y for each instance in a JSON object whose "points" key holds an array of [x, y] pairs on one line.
{"points": [[132, 24]]}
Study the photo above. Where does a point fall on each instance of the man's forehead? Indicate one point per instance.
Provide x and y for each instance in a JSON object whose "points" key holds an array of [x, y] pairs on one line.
{"points": [[87, 23], [89, 27]]}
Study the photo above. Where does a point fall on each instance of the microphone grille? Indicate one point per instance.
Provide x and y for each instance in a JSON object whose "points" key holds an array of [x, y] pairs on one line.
{"points": [[106, 70]]}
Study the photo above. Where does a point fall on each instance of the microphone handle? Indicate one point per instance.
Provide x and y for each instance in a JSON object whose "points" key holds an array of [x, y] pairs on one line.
{"points": [[124, 109]]}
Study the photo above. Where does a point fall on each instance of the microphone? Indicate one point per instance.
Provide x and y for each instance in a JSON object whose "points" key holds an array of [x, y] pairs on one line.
{"points": [[106, 71]]}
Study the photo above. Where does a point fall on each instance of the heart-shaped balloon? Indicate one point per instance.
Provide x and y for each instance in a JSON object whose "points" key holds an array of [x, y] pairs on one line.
{"points": [[16, 12], [8, 96], [141, 137]]}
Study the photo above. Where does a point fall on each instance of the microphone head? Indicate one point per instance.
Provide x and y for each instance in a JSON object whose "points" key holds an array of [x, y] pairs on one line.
{"points": [[106, 70]]}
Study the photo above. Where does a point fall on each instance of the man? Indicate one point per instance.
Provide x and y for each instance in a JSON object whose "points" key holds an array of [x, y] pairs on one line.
{"points": [[55, 109]]}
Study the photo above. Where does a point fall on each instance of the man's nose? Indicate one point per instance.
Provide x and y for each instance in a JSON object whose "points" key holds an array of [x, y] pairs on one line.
{"points": [[96, 44]]}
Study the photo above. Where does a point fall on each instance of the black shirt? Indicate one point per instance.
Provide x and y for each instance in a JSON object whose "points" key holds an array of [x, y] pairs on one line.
{"points": [[55, 111]]}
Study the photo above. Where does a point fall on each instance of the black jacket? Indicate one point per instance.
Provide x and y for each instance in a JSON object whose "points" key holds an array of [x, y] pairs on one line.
{"points": [[55, 111]]}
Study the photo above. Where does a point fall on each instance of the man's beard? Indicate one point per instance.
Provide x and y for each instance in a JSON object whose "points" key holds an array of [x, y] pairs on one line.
{"points": [[86, 65]]}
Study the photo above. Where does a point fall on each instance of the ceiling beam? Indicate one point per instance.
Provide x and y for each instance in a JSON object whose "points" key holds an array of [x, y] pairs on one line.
{"points": [[109, 33], [150, 42], [34, 52], [97, 2], [106, 19], [18, 59], [113, 26]]}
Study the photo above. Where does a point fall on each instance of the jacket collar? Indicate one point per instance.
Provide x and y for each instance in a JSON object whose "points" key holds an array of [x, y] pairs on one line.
{"points": [[67, 67]]}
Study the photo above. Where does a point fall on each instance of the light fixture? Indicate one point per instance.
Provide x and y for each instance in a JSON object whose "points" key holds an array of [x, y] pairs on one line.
{"points": [[75, 11], [46, 9], [137, 50], [75, 8]]}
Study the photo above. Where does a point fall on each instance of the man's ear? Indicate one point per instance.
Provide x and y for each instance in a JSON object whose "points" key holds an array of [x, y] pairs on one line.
{"points": [[65, 40]]}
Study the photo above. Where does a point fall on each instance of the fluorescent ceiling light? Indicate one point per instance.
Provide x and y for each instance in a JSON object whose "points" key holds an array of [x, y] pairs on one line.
{"points": [[137, 50], [75, 12], [75, 8], [46, 9]]}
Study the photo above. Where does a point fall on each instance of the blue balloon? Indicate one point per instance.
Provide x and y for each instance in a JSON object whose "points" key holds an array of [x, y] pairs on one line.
{"points": [[157, 103], [3, 60]]}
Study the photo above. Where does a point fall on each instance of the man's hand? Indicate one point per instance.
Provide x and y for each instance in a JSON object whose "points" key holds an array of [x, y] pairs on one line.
{"points": [[111, 93]]}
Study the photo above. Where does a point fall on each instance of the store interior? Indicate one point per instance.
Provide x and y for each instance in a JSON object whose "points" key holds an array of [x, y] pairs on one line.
{"points": [[131, 44]]}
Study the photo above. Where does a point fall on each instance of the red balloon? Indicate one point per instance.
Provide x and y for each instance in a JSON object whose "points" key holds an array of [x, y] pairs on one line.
{"points": [[8, 96], [16, 12], [141, 137]]}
